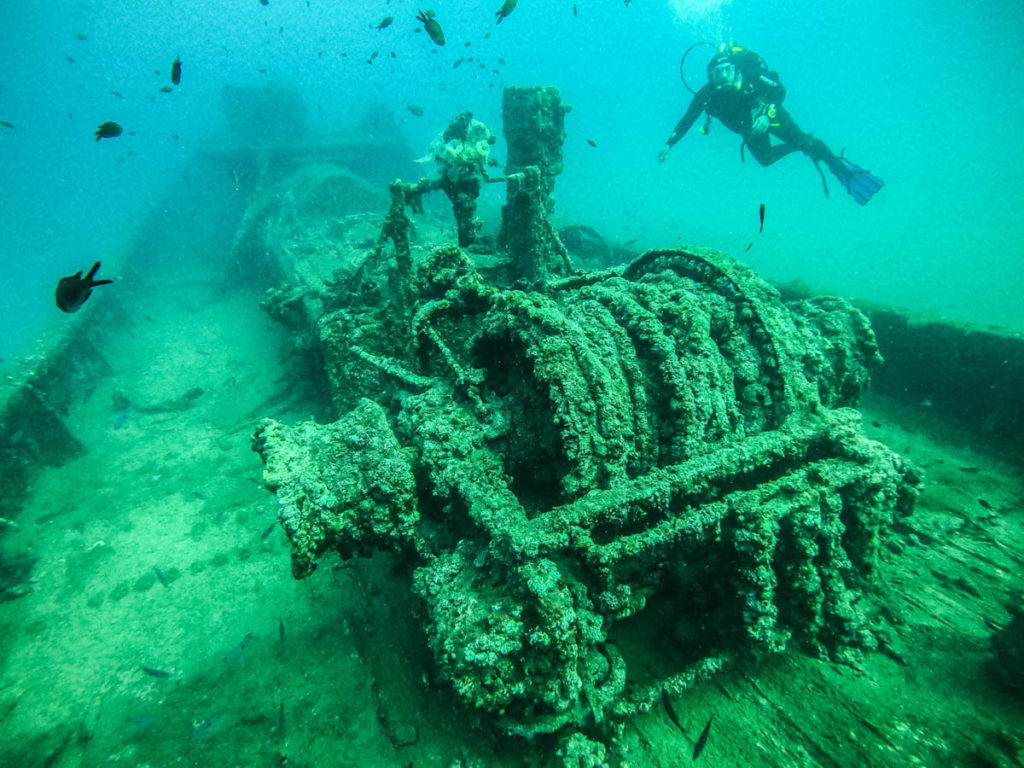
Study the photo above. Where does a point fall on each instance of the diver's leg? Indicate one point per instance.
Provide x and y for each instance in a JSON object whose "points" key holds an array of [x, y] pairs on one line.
{"points": [[858, 182], [785, 127], [764, 151]]}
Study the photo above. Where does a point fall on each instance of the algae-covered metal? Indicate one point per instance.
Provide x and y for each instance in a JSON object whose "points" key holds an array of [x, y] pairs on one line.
{"points": [[590, 465]]}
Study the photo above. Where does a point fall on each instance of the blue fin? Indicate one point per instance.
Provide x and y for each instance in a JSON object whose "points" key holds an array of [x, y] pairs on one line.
{"points": [[861, 184]]}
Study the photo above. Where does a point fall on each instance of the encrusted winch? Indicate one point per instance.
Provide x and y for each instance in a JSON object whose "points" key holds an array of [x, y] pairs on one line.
{"points": [[584, 467]]}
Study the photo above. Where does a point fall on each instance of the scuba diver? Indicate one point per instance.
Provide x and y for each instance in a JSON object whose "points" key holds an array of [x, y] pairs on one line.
{"points": [[747, 98]]}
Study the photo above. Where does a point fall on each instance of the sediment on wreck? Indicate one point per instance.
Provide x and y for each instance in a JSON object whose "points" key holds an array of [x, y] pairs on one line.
{"points": [[577, 464]]}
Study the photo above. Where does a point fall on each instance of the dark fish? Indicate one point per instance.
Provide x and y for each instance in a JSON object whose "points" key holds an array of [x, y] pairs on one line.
{"points": [[264, 2], [280, 630], [749, 246], [118, 94], [5, 124], [970, 470], [457, 62], [760, 212], [507, 7], [385, 22], [176, 70], [667, 703], [574, 12], [166, 89], [702, 740], [280, 719], [875, 423], [270, 530], [153, 672], [69, 59], [72, 291], [162, 577], [985, 504], [373, 56], [80, 36], [108, 130], [416, 109], [431, 26], [591, 142]]}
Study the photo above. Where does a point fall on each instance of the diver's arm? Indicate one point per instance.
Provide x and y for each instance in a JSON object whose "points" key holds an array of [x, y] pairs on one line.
{"points": [[700, 100], [770, 89]]}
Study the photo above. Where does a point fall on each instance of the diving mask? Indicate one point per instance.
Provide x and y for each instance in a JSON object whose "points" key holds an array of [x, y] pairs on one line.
{"points": [[723, 75]]}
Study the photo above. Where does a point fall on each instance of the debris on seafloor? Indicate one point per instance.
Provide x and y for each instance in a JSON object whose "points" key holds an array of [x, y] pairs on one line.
{"points": [[555, 451]]}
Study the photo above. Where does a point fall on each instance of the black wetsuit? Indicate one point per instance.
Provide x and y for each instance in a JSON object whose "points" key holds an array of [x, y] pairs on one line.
{"points": [[737, 108]]}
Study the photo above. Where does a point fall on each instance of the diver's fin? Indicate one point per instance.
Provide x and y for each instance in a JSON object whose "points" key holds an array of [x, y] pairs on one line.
{"points": [[861, 184]]}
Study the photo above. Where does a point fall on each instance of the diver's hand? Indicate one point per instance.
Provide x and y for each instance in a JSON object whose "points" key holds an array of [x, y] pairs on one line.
{"points": [[663, 153], [760, 125]]}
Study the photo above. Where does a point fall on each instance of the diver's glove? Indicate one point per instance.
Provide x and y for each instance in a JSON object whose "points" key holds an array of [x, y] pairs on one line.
{"points": [[762, 120]]}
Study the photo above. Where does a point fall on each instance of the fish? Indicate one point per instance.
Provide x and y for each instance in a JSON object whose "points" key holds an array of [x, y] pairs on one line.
{"points": [[702, 740], [749, 246], [574, 11], [264, 2], [373, 56], [154, 672], [176, 70], [69, 59], [270, 530], [431, 26], [5, 124], [80, 36], [970, 470], [457, 63], [162, 577], [760, 212], [237, 650], [74, 290], [118, 94], [122, 416], [667, 703], [280, 719], [166, 89], [385, 22], [985, 504], [591, 142], [507, 7], [280, 630], [108, 130], [415, 109]]}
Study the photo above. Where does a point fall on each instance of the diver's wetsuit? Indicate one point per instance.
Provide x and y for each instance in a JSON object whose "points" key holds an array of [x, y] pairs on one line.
{"points": [[737, 108]]}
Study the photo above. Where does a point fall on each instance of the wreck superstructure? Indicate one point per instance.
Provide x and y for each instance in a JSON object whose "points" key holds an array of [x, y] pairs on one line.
{"points": [[573, 462]]}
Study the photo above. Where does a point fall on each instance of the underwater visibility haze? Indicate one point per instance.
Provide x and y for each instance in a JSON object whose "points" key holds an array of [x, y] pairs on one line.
{"points": [[381, 389]]}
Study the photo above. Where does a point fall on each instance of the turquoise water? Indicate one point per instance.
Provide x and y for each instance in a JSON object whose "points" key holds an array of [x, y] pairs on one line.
{"points": [[927, 95], [152, 618]]}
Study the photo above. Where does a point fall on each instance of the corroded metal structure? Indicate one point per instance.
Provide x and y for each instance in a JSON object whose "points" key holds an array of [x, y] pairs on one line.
{"points": [[583, 465]]}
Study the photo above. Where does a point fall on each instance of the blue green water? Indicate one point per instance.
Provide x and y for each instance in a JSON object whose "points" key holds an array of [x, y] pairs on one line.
{"points": [[927, 95], [158, 546]]}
